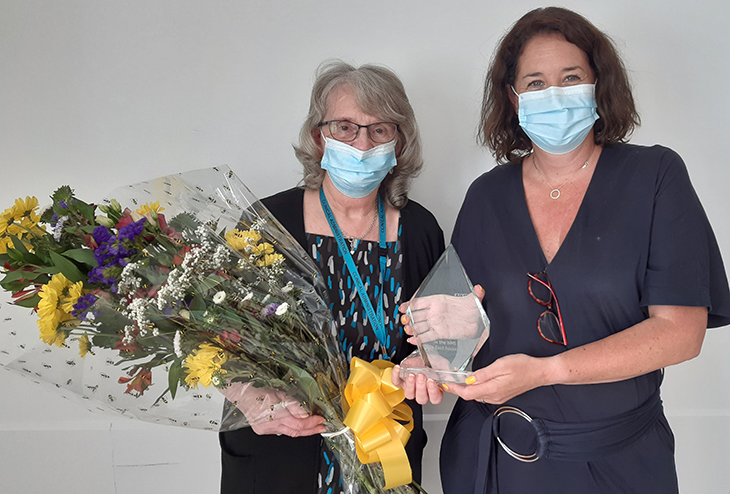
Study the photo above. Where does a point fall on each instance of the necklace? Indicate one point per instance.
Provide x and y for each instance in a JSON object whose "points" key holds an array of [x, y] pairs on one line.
{"points": [[354, 241], [555, 193]]}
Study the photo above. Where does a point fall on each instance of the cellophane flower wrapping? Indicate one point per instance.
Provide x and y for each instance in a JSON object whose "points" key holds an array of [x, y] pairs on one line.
{"points": [[167, 296]]}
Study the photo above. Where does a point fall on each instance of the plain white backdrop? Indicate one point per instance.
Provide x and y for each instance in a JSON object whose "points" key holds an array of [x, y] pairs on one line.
{"points": [[101, 94]]}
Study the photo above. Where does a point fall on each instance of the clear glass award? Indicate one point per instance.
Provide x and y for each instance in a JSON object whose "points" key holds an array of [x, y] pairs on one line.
{"points": [[449, 322]]}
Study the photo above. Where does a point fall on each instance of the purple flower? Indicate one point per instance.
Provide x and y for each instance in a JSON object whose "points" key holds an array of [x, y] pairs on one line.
{"points": [[130, 231], [101, 234], [103, 275], [83, 304], [62, 204], [269, 310]]}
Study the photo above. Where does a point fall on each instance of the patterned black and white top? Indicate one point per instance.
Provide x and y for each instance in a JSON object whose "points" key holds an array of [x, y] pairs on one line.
{"points": [[356, 336]]}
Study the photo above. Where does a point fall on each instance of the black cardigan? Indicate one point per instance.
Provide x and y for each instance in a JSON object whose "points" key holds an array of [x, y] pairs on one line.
{"points": [[253, 464]]}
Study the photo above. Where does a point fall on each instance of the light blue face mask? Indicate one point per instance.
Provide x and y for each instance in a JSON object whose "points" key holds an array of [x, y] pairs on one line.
{"points": [[357, 173], [558, 119]]}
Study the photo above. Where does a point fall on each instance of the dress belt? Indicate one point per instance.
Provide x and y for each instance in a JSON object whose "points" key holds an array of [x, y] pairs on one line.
{"points": [[576, 441]]}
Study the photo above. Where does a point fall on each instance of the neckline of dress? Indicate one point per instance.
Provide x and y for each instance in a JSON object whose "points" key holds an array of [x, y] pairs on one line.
{"points": [[570, 234], [400, 218]]}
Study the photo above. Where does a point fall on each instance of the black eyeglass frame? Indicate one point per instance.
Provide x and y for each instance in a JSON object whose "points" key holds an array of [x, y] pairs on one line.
{"points": [[548, 305], [329, 123]]}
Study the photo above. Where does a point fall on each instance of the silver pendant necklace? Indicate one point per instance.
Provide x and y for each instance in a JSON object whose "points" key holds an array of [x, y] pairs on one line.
{"points": [[555, 192], [354, 241]]}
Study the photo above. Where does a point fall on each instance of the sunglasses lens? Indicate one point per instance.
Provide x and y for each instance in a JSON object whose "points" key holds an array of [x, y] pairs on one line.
{"points": [[549, 327], [539, 289]]}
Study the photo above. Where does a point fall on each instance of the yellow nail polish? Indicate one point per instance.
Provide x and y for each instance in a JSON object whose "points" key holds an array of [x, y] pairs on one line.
{"points": [[471, 380], [404, 319], [444, 386]]}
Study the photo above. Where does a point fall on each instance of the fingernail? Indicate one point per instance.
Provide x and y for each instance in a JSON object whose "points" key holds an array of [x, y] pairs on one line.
{"points": [[471, 380], [404, 319], [444, 386]]}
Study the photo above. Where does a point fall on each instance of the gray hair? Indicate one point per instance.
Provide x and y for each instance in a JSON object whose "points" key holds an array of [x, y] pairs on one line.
{"points": [[378, 92]]}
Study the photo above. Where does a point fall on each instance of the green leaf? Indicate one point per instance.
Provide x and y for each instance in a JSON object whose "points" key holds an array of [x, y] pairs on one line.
{"points": [[198, 304], [85, 209], [68, 268], [210, 282], [84, 256], [19, 245], [28, 302], [50, 270], [15, 275], [63, 193], [174, 376], [25, 256], [15, 255]]}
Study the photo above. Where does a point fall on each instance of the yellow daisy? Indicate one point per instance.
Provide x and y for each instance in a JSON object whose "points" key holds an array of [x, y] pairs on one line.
{"points": [[5, 242], [270, 259], [241, 239], [150, 207], [18, 219], [149, 211], [84, 346], [263, 249], [26, 207], [203, 363], [58, 297], [8, 224]]}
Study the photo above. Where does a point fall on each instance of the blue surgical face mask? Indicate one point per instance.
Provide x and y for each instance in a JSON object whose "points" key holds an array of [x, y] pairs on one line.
{"points": [[558, 119], [357, 173]]}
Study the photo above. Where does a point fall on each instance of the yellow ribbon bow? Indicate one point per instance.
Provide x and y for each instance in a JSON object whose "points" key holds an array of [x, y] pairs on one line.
{"points": [[382, 423]]}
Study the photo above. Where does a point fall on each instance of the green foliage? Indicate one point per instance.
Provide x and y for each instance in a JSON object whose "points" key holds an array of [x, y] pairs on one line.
{"points": [[67, 267], [175, 377], [83, 256]]}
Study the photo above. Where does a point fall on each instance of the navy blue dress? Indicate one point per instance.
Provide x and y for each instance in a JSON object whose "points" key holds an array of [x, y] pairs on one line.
{"points": [[640, 238]]}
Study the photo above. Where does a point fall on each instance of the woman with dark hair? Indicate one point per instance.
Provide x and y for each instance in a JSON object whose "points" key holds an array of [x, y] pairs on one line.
{"points": [[360, 149], [600, 269]]}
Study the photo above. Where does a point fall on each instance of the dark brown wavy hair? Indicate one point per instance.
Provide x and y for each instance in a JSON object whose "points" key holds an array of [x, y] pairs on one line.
{"points": [[499, 127]]}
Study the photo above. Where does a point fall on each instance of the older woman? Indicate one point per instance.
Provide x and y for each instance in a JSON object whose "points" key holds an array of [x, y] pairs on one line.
{"points": [[360, 149], [600, 269]]}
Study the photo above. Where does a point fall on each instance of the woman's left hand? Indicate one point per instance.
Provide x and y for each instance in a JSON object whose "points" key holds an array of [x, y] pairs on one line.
{"points": [[504, 379]]}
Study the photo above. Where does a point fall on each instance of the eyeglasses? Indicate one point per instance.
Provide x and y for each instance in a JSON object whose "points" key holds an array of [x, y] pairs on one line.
{"points": [[550, 323], [346, 131]]}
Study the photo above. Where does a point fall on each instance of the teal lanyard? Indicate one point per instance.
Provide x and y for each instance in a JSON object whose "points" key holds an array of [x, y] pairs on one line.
{"points": [[376, 320]]}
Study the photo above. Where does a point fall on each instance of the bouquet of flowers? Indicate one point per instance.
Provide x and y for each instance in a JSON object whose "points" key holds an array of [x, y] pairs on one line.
{"points": [[194, 285]]}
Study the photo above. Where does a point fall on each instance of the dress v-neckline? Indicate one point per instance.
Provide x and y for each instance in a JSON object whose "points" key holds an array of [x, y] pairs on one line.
{"points": [[578, 214]]}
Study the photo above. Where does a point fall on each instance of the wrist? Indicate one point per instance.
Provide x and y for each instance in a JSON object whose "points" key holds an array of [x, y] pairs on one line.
{"points": [[554, 370]]}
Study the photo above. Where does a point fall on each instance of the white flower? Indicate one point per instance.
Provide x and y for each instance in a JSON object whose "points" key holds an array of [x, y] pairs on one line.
{"points": [[177, 344], [58, 231], [288, 287], [185, 314], [281, 310], [248, 297], [219, 297]]}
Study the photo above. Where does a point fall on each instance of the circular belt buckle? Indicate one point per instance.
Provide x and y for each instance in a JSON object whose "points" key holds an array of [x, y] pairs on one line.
{"points": [[517, 456]]}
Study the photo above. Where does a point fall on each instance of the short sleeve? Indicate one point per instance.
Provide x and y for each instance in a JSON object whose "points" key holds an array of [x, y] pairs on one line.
{"points": [[684, 265]]}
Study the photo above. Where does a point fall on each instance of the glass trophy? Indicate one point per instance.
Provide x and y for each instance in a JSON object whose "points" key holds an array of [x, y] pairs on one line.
{"points": [[449, 323]]}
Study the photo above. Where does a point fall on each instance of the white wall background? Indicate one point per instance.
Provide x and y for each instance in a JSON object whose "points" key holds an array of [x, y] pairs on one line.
{"points": [[99, 94]]}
